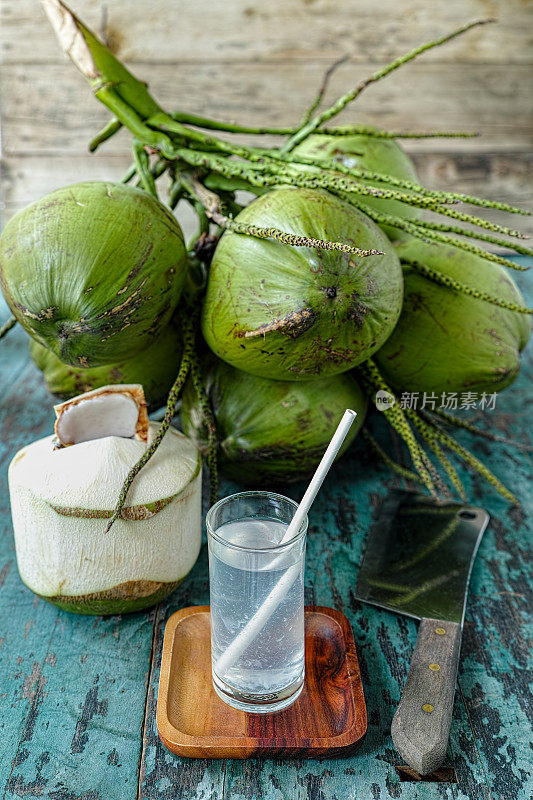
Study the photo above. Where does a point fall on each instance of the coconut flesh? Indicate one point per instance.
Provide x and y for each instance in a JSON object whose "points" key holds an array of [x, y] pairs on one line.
{"points": [[61, 498]]}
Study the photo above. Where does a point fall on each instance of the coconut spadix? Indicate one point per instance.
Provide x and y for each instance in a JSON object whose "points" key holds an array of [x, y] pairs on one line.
{"points": [[373, 154], [65, 486]]}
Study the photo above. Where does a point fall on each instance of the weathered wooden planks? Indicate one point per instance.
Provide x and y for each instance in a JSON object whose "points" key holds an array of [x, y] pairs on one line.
{"points": [[269, 72], [50, 110], [200, 30]]}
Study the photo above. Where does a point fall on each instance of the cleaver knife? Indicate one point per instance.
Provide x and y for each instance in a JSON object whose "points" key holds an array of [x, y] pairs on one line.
{"points": [[418, 561]]}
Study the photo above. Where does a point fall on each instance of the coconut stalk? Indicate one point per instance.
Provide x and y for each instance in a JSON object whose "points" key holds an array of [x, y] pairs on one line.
{"points": [[6, 327], [200, 162], [310, 126], [134, 107], [432, 432], [400, 470], [172, 402]]}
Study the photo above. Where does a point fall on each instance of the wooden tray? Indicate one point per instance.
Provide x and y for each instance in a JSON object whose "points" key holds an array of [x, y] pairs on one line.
{"points": [[328, 718]]}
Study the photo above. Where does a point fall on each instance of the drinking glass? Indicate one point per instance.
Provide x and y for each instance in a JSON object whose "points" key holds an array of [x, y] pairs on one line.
{"points": [[257, 651]]}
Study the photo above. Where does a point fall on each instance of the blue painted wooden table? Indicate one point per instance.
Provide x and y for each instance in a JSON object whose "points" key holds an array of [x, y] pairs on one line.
{"points": [[78, 694]]}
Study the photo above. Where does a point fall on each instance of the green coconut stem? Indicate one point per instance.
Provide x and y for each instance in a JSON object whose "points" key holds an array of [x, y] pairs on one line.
{"points": [[417, 196], [211, 427], [142, 167], [131, 103], [336, 182], [129, 117], [484, 203], [129, 174], [269, 169], [268, 174], [322, 89], [479, 221], [331, 164], [429, 436], [376, 134], [445, 280], [350, 96], [159, 168], [203, 221], [212, 204], [364, 174], [379, 177], [458, 422], [438, 208], [388, 461], [172, 402], [425, 234], [6, 327], [435, 476], [412, 228], [176, 193], [109, 130], [229, 203], [374, 381], [156, 170], [468, 457], [227, 127], [166, 124], [343, 130], [483, 237]]}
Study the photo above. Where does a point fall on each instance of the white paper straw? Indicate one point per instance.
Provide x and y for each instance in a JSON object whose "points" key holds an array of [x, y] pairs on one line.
{"points": [[282, 587], [321, 471]]}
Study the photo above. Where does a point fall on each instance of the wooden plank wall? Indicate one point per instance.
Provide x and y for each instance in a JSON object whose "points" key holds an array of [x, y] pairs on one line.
{"points": [[248, 60]]}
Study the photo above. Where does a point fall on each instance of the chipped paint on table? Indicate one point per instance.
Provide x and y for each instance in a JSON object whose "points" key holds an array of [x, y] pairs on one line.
{"points": [[78, 694]]}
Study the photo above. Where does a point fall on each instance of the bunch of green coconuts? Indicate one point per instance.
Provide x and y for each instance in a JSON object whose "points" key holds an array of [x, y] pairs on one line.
{"points": [[333, 282]]}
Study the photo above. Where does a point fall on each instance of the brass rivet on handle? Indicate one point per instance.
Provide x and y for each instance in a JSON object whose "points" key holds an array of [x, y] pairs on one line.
{"points": [[434, 667], [427, 707], [440, 631]]}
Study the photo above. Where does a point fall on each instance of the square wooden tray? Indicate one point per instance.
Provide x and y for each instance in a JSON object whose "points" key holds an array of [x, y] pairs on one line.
{"points": [[328, 718]]}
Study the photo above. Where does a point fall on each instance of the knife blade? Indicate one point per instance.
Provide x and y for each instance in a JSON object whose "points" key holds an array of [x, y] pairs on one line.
{"points": [[418, 562]]}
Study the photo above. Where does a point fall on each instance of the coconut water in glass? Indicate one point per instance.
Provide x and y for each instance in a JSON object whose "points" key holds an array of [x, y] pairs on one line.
{"points": [[246, 564]]}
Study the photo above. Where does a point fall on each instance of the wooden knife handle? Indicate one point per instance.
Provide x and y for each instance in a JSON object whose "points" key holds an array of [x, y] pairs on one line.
{"points": [[421, 725]]}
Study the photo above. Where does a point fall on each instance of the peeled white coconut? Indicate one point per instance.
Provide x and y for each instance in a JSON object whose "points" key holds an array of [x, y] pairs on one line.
{"points": [[61, 498]]}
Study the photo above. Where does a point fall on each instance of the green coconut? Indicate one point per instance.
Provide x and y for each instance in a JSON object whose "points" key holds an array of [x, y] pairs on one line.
{"points": [[93, 271], [154, 367], [297, 313], [271, 431], [374, 155], [446, 341]]}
